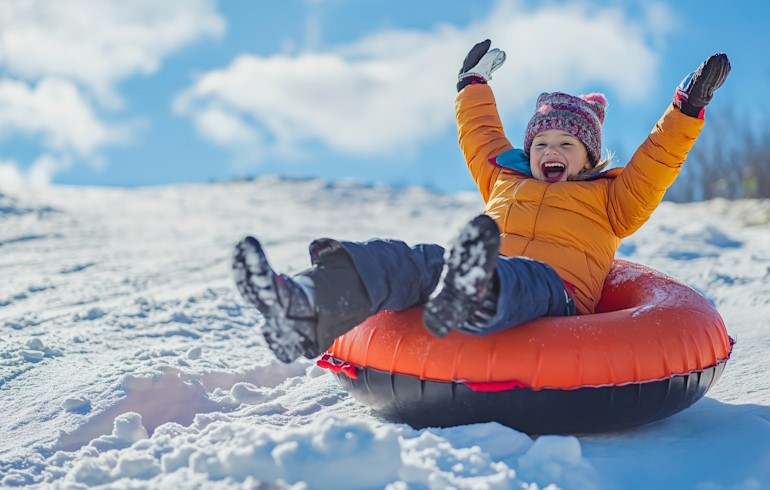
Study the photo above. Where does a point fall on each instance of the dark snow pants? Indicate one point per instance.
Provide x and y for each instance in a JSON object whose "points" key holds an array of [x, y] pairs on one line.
{"points": [[397, 276]]}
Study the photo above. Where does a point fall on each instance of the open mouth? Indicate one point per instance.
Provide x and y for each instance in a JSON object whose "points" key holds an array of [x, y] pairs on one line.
{"points": [[553, 171]]}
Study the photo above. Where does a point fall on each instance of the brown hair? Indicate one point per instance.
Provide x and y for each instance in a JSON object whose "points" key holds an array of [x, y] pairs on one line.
{"points": [[590, 173]]}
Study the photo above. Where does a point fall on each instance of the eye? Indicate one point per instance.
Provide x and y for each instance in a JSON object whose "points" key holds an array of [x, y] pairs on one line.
{"points": [[566, 143]]}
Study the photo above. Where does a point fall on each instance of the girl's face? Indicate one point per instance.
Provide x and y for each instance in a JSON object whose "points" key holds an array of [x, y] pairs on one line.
{"points": [[556, 155]]}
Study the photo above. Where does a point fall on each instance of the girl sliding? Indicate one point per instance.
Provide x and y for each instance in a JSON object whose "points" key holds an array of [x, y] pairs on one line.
{"points": [[553, 221]]}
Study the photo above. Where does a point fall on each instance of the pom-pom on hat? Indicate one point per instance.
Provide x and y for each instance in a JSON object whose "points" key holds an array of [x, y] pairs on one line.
{"points": [[581, 116]]}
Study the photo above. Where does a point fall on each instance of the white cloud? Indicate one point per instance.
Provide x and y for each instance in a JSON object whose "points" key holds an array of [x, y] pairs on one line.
{"points": [[394, 90], [223, 128], [58, 112], [38, 175], [10, 175], [660, 15], [63, 60], [98, 43]]}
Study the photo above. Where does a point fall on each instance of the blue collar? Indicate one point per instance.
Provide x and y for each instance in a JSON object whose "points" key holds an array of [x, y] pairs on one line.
{"points": [[514, 159]]}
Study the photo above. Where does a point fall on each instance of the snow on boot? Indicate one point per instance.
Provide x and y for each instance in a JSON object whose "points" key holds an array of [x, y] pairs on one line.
{"points": [[290, 320], [469, 265]]}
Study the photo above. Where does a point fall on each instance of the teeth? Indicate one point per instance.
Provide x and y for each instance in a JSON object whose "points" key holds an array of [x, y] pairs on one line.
{"points": [[554, 164]]}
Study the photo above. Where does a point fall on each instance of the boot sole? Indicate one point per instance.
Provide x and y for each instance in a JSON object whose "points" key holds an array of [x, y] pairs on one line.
{"points": [[256, 280], [253, 274], [469, 263]]}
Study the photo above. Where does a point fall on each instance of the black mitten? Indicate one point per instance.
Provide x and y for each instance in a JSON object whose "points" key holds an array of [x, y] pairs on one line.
{"points": [[697, 88], [479, 64]]}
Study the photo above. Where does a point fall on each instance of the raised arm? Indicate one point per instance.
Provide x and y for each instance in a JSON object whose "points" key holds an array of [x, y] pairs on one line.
{"points": [[479, 129], [640, 187]]}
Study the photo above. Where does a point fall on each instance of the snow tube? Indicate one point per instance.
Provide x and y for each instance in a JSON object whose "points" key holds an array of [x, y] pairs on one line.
{"points": [[653, 348]]}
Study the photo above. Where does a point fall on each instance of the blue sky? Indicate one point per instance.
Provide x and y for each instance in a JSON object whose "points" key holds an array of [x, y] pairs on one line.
{"points": [[147, 93]]}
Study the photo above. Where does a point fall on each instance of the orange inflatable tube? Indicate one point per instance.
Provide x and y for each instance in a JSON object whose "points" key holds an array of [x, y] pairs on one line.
{"points": [[653, 342]]}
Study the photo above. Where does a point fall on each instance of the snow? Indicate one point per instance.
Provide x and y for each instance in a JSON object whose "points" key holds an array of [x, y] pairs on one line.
{"points": [[470, 266], [128, 360]]}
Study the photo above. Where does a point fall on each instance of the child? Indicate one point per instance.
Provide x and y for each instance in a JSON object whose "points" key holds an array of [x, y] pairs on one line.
{"points": [[543, 247]]}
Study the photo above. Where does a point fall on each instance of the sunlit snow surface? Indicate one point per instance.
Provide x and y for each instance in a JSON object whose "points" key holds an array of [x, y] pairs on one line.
{"points": [[127, 359]]}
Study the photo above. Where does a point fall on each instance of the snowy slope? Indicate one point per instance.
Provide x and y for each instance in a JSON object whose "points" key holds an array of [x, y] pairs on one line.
{"points": [[127, 359]]}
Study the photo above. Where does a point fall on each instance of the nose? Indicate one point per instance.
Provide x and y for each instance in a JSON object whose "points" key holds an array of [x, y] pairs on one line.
{"points": [[551, 149]]}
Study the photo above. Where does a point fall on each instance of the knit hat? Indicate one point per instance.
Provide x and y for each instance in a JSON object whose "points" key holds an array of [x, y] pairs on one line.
{"points": [[580, 116]]}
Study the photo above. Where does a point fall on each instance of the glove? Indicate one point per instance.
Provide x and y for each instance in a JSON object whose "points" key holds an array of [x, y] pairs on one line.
{"points": [[695, 91], [479, 64]]}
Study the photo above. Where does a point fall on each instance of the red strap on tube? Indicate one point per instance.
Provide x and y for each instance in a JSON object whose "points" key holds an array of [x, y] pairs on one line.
{"points": [[328, 362]]}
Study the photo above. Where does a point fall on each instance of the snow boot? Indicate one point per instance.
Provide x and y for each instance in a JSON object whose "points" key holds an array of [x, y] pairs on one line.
{"points": [[467, 277], [304, 314], [290, 321]]}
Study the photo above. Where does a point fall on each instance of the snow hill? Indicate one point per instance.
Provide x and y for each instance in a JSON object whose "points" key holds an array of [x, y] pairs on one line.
{"points": [[127, 359]]}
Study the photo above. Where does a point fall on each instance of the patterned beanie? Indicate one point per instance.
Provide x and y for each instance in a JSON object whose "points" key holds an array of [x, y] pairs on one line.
{"points": [[580, 116]]}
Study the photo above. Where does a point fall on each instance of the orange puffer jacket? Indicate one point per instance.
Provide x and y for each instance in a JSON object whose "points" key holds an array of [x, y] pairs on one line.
{"points": [[576, 227]]}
